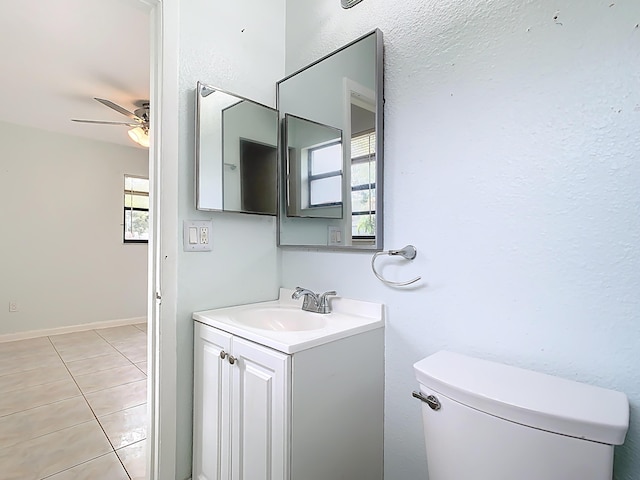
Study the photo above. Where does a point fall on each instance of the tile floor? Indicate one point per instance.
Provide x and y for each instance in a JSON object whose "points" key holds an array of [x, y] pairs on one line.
{"points": [[73, 406]]}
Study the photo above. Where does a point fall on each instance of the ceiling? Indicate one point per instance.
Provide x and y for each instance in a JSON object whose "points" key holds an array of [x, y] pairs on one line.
{"points": [[58, 55]]}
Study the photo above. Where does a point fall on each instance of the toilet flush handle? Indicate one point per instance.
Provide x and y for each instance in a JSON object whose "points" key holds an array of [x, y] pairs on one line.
{"points": [[430, 400]]}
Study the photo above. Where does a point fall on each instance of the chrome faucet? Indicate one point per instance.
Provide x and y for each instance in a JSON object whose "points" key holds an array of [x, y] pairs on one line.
{"points": [[313, 302]]}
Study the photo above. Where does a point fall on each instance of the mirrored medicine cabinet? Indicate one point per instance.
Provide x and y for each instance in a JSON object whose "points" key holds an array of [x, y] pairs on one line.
{"points": [[332, 167], [236, 153], [325, 183]]}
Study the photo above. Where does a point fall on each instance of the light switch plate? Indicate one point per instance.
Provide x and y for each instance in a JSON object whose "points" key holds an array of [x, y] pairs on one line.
{"points": [[334, 235], [201, 241]]}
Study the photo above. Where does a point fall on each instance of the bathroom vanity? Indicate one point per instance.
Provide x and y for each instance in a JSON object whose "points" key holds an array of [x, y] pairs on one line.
{"points": [[283, 394]]}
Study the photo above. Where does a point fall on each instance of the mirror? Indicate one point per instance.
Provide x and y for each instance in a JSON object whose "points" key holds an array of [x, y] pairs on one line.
{"points": [[236, 153], [331, 152], [313, 169]]}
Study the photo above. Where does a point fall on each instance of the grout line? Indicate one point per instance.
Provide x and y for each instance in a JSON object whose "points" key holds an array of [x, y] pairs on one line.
{"points": [[44, 435], [98, 372], [56, 431], [94, 415], [127, 446], [56, 353], [136, 365], [40, 406], [114, 386], [82, 463], [90, 356], [37, 385], [118, 350], [83, 395], [50, 402], [15, 372]]}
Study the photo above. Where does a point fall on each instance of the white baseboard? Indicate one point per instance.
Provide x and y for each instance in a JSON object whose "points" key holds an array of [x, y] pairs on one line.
{"points": [[10, 337]]}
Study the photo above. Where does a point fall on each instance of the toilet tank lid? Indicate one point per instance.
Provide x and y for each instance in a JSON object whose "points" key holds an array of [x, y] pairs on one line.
{"points": [[529, 398]]}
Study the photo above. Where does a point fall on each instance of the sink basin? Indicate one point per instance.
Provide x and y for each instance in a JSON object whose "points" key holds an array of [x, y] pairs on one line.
{"points": [[283, 326], [280, 319]]}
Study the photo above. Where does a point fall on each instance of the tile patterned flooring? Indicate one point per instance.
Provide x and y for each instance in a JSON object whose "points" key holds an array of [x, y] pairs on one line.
{"points": [[73, 406]]}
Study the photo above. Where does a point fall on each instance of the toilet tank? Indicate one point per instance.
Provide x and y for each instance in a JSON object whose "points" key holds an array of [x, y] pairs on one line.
{"points": [[497, 422]]}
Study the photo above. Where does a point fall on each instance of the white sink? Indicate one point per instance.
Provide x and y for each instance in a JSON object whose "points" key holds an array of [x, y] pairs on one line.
{"points": [[283, 325], [280, 318]]}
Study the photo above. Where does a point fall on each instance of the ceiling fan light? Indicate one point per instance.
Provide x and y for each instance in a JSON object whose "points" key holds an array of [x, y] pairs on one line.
{"points": [[140, 136]]}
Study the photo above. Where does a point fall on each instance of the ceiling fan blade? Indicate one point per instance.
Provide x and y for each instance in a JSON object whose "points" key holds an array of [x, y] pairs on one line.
{"points": [[129, 124], [118, 109]]}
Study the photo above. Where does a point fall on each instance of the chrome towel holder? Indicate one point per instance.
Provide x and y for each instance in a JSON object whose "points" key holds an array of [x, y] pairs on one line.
{"points": [[409, 253]]}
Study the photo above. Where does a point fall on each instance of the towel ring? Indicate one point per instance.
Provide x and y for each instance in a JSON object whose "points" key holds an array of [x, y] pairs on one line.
{"points": [[409, 252]]}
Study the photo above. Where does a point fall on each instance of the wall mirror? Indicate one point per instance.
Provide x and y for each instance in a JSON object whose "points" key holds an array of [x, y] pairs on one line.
{"points": [[236, 153], [331, 165]]}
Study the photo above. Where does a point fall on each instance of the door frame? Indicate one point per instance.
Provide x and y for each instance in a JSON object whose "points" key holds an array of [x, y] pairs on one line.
{"points": [[162, 264]]}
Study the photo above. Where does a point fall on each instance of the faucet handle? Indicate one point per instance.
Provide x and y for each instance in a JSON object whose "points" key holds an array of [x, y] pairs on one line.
{"points": [[323, 303]]}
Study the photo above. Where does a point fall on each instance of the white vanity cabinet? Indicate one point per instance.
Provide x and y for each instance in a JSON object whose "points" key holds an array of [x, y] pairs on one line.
{"points": [[240, 402], [312, 414]]}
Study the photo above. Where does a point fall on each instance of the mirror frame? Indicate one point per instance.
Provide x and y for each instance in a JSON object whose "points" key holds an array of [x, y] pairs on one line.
{"points": [[200, 87], [379, 123]]}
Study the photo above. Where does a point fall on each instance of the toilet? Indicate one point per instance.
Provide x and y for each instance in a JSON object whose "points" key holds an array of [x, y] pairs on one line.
{"points": [[489, 421]]}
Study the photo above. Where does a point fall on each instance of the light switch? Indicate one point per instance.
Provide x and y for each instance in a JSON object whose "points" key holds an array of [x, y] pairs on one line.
{"points": [[193, 235], [335, 235]]}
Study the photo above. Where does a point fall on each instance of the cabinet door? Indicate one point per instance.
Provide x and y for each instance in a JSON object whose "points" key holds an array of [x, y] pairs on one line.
{"points": [[211, 425], [259, 411]]}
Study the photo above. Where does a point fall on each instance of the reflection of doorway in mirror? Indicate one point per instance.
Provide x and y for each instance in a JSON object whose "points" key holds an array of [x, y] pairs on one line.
{"points": [[360, 164], [259, 175]]}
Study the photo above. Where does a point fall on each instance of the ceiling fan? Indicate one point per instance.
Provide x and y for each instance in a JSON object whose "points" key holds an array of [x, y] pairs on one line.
{"points": [[139, 123]]}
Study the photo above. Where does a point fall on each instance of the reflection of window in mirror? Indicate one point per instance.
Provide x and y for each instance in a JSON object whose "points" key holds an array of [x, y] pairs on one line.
{"points": [[315, 169], [363, 185], [325, 175], [362, 155]]}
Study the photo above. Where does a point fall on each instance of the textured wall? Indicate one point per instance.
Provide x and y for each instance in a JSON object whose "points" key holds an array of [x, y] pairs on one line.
{"points": [[238, 47], [512, 150], [62, 257]]}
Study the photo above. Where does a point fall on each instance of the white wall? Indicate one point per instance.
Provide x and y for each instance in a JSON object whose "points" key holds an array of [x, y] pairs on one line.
{"points": [[63, 259], [238, 47], [512, 160]]}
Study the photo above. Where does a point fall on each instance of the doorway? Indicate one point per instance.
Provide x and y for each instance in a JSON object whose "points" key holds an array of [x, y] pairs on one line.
{"points": [[34, 107]]}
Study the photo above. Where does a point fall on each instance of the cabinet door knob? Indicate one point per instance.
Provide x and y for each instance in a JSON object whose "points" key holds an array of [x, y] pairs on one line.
{"points": [[232, 359], [223, 354]]}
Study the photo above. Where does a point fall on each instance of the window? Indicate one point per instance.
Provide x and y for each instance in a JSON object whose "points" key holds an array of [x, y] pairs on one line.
{"points": [[136, 209], [325, 175], [363, 186]]}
